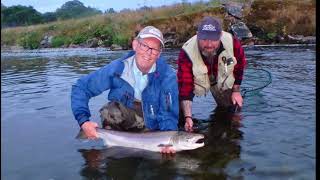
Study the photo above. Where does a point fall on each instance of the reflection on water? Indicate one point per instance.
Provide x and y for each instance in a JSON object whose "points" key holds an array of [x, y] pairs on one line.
{"points": [[273, 137]]}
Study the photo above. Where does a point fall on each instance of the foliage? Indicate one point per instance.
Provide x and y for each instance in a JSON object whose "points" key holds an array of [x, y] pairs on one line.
{"points": [[110, 11], [75, 9], [120, 39], [59, 41], [23, 16], [271, 35], [49, 17], [30, 40], [19, 16], [78, 39]]}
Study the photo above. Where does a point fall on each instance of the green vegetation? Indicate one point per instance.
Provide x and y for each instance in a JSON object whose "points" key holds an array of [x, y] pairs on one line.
{"points": [[75, 9], [59, 41], [271, 17], [19, 15], [30, 40], [23, 16]]}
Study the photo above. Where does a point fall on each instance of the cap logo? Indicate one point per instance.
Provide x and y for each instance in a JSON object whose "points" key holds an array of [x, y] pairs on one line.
{"points": [[208, 27]]}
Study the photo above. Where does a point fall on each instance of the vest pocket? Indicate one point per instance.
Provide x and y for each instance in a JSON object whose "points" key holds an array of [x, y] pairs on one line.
{"points": [[201, 84]]}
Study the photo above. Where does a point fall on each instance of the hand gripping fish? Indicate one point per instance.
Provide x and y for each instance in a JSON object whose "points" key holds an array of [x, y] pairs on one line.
{"points": [[151, 141]]}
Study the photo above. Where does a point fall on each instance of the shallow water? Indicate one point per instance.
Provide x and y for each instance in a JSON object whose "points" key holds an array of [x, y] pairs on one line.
{"points": [[272, 138]]}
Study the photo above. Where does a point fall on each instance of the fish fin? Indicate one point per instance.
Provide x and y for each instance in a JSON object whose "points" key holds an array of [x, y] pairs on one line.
{"points": [[165, 145]]}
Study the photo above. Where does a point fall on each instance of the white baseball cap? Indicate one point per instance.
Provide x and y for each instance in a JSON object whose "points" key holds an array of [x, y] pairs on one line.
{"points": [[151, 31]]}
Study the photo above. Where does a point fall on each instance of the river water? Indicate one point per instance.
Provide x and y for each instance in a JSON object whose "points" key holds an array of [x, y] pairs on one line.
{"points": [[273, 137]]}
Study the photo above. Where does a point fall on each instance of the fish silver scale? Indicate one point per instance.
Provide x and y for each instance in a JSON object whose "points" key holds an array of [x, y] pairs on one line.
{"points": [[150, 140]]}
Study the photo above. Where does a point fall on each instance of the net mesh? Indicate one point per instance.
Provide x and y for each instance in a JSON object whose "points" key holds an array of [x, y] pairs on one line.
{"points": [[254, 80]]}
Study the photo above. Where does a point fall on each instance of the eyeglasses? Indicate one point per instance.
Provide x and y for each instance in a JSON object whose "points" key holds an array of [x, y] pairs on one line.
{"points": [[146, 48]]}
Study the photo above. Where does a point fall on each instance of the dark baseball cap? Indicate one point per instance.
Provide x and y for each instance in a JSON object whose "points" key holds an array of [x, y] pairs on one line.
{"points": [[209, 28]]}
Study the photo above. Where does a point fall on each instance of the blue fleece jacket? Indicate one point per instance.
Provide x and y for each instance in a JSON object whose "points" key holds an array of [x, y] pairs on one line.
{"points": [[159, 99]]}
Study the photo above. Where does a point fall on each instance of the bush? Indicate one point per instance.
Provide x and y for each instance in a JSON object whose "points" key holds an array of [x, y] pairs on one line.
{"points": [[79, 38], [30, 40], [120, 39], [59, 41], [271, 35]]}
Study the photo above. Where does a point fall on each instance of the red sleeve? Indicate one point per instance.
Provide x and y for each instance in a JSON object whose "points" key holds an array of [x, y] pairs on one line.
{"points": [[185, 77], [241, 61]]}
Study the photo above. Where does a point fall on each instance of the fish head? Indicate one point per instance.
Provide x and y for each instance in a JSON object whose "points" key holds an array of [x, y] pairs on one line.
{"points": [[187, 141]]}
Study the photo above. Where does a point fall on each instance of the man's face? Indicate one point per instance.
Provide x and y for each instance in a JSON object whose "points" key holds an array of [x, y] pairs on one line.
{"points": [[147, 52], [208, 47]]}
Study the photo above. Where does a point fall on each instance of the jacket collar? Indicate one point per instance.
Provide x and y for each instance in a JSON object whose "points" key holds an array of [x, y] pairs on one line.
{"points": [[160, 66]]}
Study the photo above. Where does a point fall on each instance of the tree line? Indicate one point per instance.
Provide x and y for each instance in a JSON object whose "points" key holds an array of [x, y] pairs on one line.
{"points": [[26, 15]]}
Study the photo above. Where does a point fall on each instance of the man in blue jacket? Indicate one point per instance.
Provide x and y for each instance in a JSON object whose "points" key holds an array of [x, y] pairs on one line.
{"points": [[140, 82]]}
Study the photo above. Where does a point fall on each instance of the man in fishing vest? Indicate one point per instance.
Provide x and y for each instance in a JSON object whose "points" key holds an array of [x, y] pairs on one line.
{"points": [[212, 60]]}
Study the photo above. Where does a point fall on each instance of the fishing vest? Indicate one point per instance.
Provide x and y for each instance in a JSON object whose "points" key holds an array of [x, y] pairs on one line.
{"points": [[226, 62]]}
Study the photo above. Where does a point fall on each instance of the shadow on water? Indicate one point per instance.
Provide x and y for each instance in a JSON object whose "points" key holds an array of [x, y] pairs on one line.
{"points": [[222, 147]]}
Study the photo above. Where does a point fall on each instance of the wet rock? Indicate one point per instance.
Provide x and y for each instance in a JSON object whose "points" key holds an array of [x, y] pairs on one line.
{"points": [[46, 42], [234, 9], [100, 43], [279, 38], [169, 42], [241, 30], [74, 46], [115, 47], [301, 39], [257, 31], [92, 43], [170, 39]]}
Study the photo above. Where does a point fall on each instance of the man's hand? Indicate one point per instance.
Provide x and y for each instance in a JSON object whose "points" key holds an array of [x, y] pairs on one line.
{"points": [[167, 150], [188, 126], [89, 129], [186, 108], [236, 98]]}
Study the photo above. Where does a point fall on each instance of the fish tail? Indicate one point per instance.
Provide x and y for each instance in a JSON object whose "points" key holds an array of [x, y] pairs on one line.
{"points": [[81, 135]]}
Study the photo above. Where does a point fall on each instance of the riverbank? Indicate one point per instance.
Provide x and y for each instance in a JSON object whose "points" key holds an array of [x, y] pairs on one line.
{"points": [[254, 22]]}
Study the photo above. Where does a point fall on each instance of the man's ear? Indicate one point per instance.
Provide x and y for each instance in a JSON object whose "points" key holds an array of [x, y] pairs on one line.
{"points": [[135, 44]]}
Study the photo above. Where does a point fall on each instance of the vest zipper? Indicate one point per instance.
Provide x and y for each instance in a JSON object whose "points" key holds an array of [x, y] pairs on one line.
{"points": [[224, 81]]}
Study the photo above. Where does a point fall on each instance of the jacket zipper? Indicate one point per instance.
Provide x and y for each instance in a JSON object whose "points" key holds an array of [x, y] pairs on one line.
{"points": [[168, 101]]}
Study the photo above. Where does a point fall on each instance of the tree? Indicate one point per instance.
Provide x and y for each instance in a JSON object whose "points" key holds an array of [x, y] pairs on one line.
{"points": [[110, 11], [2, 9], [75, 9], [49, 17], [19, 16]]}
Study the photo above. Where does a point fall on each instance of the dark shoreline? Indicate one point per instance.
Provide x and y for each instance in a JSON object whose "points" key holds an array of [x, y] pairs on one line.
{"points": [[17, 49]]}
